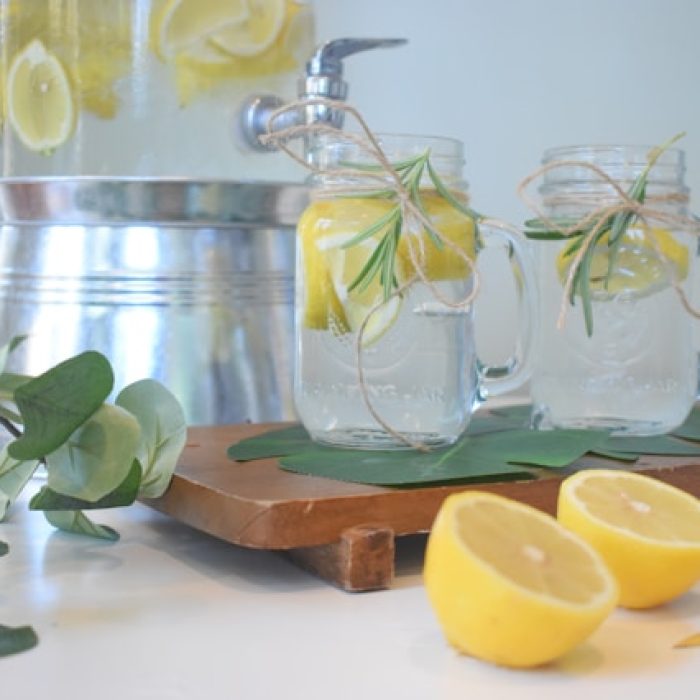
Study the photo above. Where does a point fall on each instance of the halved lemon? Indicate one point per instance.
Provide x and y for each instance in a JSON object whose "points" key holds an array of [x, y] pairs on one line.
{"points": [[647, 531], [646, 261], [183, 24], [255, 32], [509, 584], [39, 98]]}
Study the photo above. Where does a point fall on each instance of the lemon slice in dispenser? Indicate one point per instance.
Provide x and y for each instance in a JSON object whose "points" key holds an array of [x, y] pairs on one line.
{"points": [[39, 98], [255, 33], [299, 37], [184, 24]]}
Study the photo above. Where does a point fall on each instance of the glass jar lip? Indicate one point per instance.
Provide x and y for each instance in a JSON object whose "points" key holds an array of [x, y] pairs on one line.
{"points": [[631, 155], [407, 145]]}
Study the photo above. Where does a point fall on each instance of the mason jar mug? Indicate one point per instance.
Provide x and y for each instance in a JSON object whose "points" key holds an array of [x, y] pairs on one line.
{"points": [[615, 345], [385, 352]]}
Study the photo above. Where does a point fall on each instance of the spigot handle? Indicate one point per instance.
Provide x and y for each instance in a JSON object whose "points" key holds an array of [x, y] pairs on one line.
{"points": [[328, 58], [323, 79]]}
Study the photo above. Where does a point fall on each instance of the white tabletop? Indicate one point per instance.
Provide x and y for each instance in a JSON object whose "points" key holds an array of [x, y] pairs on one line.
{"points": [[168, 612]]}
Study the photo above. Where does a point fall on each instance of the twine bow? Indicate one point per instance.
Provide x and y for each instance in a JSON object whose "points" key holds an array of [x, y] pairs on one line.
{"points": [[599, 218]]}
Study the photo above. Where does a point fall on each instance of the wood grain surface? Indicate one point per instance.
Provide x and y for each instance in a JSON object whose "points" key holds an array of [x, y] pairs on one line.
{"points": [[256, 504]]}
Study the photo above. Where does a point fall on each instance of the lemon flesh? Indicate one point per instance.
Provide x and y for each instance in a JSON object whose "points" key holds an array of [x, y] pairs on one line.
{"points": [[39, 98], [256, 32], [93, 42], [646, 262], [183, 23], [360, 304], [440, 264], [648, 532], [509, 584], [329, 269], [270, 37]]}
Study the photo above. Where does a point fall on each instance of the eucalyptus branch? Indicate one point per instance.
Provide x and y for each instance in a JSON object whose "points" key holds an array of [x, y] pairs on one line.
{"points": [[10, 427]]}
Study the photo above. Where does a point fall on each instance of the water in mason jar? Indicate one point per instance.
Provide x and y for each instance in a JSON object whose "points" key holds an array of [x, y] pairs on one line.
{"points": [[408, 372], [634, 375], [417, 352]]}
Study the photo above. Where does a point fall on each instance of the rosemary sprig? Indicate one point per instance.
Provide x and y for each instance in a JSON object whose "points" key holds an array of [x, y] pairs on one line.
{"points": [[382, 261], [609, 230]]}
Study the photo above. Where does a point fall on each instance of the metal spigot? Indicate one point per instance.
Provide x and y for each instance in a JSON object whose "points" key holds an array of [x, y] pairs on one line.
{"points": [[323, 78]]}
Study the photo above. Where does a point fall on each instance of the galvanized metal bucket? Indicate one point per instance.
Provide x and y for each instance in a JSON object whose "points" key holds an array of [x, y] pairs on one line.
{"points": [[189, 282]]}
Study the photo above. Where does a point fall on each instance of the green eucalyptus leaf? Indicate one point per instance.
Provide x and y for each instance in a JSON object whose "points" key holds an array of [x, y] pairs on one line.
{"points": [[8, 348], [9, 383], [163, 432], [14, 476], [58, 402], [10, 415], [97, 457], [124, 495], [4, 548], [77, 523], [14, 640]]}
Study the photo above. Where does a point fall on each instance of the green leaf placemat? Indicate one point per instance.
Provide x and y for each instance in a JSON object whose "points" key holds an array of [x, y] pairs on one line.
{"points": [[498, 446], [275, 443], [652, 445], [495, 448], [401, 468], [690, 430]]}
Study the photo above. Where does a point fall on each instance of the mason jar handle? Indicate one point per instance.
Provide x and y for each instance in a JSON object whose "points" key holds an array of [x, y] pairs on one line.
{"points": [[499, 379]]}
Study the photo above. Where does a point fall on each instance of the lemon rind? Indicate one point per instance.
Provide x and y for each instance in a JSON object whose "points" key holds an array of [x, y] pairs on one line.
{"points": [[569, 488]]}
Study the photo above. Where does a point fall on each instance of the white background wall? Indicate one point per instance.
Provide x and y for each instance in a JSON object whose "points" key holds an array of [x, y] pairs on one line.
{"points": [[511, 78]]}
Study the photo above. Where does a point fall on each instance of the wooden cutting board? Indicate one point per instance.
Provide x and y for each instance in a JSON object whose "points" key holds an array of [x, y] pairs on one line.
{"points": [[343, 532]]}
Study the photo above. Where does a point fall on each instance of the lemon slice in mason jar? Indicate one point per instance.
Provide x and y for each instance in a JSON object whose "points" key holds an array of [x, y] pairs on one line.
{"points": [[39, 98], [646, 262], [256, 32], [330, 269], [344, 266], [440, 263], [184, 24]]}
